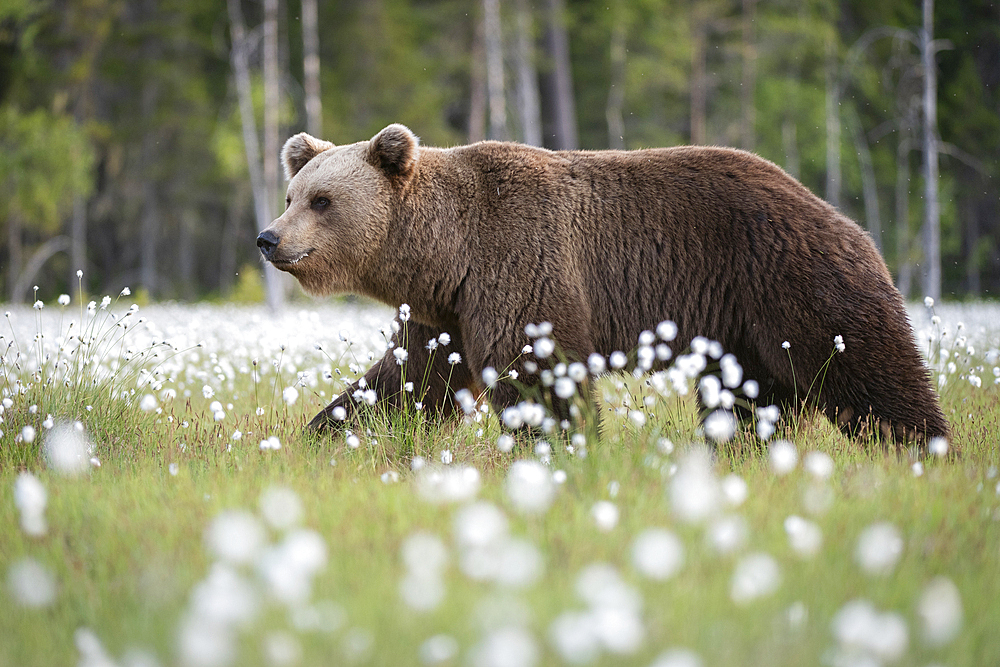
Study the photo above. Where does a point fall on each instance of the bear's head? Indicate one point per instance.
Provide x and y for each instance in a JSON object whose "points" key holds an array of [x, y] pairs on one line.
{"points": [[339, 207]]}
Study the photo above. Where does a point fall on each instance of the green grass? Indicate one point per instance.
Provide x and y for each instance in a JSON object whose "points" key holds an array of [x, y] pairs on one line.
{"points": [[125, 541]]}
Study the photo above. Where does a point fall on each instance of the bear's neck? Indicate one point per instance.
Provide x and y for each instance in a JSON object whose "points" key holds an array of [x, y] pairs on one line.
{"points": [[426, 256]]}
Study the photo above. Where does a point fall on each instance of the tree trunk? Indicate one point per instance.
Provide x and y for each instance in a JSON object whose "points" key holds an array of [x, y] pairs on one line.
{"points": [[187, 222], [561, 80], [614, 112], [272, 101], [149, 225], [527, 77], [241, 69], [904, 260], [78, 245], [230, 235], [477, 88], [833, 174], [748, 117], [869, 186], [310, 67], [699, 32], [494, 69], [932, 207], [973, 284], [15, 250]]}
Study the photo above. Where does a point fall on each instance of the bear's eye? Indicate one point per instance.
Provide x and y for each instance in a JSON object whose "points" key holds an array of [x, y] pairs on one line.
{"points": [[288, 202], [320, 203]]}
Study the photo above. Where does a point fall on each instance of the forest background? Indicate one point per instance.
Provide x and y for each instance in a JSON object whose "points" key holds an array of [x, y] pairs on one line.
{"points": [[139, 140]]}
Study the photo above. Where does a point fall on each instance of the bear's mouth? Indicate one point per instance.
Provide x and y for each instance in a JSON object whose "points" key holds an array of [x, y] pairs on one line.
{"points": [[281, 262]]}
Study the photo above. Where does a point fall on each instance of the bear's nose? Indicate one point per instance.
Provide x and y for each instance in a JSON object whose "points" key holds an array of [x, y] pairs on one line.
{"points": [[267, 242]]}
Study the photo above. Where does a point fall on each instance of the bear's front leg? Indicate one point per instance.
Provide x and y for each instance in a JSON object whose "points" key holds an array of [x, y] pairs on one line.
{"points": [[428, 364]]}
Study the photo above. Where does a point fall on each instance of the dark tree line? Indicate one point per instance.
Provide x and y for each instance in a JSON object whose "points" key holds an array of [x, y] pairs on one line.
{"points": [[138, 140]]}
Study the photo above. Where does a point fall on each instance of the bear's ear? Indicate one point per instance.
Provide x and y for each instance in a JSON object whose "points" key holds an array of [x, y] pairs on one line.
{"points": [[394, 151], [299, 150]]}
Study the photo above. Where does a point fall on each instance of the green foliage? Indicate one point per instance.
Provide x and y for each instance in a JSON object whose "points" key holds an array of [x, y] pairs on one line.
{"points": [[45, 161], [130, 544]]}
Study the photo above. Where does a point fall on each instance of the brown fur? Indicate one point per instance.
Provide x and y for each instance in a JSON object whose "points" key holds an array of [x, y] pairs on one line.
{"points": [[481, 240]]}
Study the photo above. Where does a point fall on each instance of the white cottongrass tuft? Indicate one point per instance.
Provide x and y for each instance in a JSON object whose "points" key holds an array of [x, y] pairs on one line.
{"points": [[657, 553], [612, 621], [818, 464], [281, 507], [30, 498], [447, 484], [694, 491], [727, 534], [879, 548], [148, 403], [67, 449], [290, 395], [505, 443], [438, 650], [720, 426], [782, 456], [677, 657], [756, 575], [31, 584], [866, 637], [605, 514], [271, 443], [235, 536], [282, 649], [938, 446], [804, 536], [734, 489], [288, 568], [508, 646], [940, 611], [425, 558], [529, 487]]}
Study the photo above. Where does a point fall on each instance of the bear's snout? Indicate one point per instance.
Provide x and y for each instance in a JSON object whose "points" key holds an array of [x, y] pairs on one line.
{"points": [[267, 241]]}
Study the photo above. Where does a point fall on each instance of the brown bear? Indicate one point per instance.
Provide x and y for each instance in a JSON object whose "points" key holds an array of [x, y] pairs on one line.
{"points": [[482, 240]]}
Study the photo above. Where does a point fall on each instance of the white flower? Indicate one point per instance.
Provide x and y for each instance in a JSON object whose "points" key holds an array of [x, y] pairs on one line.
{"points": [[105, 302], [64, 299], [444, 339], [544, 347], [400, 354], [666, 330], [404, 312], [148, 403], [454, 358], [618, 360], [564, 387], [38, 305], [126, 291], [290, 394], [938, 446], [490, 376], [207, 391], [596, 364], [838, 342], [928, 302], [786, 345], [605, 514]]}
